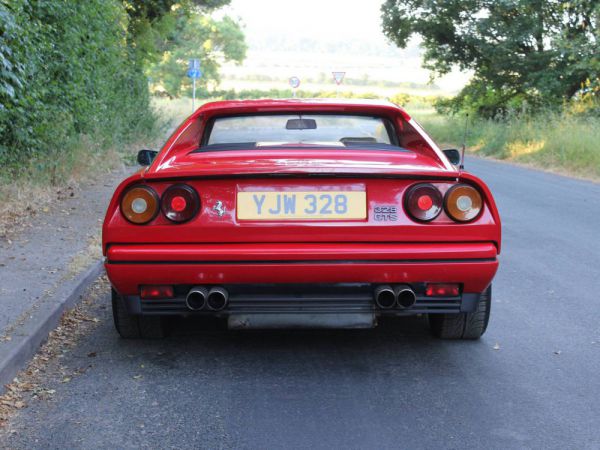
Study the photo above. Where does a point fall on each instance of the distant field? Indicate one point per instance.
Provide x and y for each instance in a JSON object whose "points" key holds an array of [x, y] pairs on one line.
{"points": [[314, 70], [383, 92]]}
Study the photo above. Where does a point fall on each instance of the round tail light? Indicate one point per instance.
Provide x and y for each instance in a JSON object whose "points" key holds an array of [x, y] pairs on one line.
{"points": [[180, 203], [139, 205], [423, 202], [463, 203]]}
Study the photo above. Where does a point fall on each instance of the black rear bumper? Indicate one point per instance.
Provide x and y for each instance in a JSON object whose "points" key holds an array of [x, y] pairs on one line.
{"points": [[351, 298]]}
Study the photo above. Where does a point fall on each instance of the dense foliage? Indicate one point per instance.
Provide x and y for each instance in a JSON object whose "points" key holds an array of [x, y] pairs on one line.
{"points": [[66, 73], [74, 74], [522, 52]]}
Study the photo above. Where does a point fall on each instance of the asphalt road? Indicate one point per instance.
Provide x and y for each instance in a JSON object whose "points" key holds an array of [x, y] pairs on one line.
{"points": [[531, 382]]}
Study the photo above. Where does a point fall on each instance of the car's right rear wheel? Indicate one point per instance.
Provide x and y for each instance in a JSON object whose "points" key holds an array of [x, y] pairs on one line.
{"points": [[130, 326], [463, 325]]}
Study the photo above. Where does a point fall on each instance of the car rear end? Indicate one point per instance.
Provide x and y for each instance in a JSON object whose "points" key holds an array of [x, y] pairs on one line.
{"points": [[316, 238]]}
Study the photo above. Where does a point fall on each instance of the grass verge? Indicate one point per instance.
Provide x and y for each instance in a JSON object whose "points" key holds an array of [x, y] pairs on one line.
{"points": [[561, 143]]}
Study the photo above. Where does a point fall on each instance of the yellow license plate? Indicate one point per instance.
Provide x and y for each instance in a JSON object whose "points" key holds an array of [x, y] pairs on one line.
{"points": [[302, 205]]}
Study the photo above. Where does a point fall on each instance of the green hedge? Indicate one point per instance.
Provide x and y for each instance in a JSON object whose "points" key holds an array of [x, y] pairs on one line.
{"points": [[67, 76]]}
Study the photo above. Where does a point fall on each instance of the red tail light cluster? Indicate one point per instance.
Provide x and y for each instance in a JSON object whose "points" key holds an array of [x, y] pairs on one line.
{"points": [[180, 203], [141, 204], [424, 202]]}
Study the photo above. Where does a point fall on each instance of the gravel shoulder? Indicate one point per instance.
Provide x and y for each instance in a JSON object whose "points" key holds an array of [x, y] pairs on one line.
{"points": [[44, 260]]}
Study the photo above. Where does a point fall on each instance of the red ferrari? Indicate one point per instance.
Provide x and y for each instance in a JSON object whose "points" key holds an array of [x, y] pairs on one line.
{"points": [[301, 213]]}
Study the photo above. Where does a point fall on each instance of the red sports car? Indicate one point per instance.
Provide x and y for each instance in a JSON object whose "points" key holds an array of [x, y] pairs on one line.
{"points": [[301, 213]]}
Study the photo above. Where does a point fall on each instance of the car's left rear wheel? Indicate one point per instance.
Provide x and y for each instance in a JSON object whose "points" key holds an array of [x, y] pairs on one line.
{"points": [[130, 326]]}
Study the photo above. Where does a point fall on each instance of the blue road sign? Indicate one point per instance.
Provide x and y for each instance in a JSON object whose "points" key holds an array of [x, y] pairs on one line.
{"points": [[194, 73]]}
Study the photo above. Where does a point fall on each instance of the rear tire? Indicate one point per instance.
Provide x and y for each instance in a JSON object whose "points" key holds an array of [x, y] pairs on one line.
{"points": [[130, 326], [463, 325]]}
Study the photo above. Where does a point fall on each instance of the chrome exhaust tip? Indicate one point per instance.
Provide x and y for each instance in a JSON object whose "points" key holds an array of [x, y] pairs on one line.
{"points": [[405, 297], [196, 298], [217, 298], [384, 297]]}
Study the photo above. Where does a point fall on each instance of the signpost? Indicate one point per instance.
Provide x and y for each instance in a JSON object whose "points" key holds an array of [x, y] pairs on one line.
{"points": [[294, 83], [338, 77], [194, 73]]}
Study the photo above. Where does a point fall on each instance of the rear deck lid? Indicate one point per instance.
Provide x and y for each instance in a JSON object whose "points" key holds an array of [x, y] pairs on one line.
{"points": [[305, 160]]}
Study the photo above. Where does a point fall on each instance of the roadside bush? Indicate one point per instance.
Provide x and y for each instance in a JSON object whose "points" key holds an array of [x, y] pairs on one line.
{"points": [[67, 78]]}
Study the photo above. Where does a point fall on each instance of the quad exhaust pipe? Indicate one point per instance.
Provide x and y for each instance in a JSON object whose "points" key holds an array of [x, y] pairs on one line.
{"points": [[217, 298], [405, 297], [196, 298], [401, 296], [385, 297], [200, 298]]}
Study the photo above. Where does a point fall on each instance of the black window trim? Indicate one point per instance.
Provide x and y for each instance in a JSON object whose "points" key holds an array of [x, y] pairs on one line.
{"points": [[387, 122]]}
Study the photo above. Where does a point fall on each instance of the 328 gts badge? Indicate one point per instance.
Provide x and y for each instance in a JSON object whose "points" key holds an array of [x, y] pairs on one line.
{"points": [[386, 213]]}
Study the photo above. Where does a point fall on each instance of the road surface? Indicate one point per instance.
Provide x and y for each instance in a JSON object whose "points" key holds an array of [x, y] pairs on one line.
{"points": [[531, 382]]}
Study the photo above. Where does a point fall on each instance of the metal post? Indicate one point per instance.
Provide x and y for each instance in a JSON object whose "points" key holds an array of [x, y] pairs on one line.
{"points": [[193, 94]]}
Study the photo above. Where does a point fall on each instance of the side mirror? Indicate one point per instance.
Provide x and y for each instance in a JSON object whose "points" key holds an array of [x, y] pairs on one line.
{"points": [[453, 155], [145, 157]]}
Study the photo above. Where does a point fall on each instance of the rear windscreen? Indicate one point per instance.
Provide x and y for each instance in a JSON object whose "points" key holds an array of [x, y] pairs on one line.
{"points": [[289, 129]]}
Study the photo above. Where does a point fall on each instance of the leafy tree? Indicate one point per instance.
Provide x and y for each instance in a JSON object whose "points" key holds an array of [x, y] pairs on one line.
{"points": [[153, 10], [167, 33], [538, 51], [151, 20], [196, 36]]}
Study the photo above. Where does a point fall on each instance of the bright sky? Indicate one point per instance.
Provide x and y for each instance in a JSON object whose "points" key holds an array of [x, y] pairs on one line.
{"points": [[355, 22], [321, 19]]}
